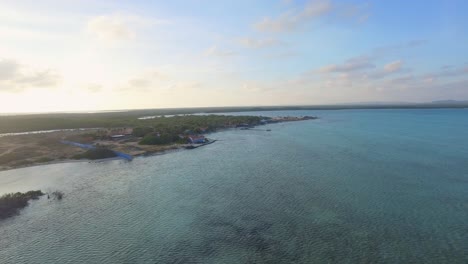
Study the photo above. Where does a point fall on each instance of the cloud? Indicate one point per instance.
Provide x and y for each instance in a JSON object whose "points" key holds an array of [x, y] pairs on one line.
{"points": [[93, 87], [148, 80], [283, 55], [448, 72], [140, 83], [351, 65], [353, 11], [110, 28], [119, 26], [259, 43], [216, 52], [253, 87], [393, 66], [45, 78], [367, 61], [184, 86], [407, 79], [8, 69], [17, 77], [292, 20], [160, 84], [386, 50], [295, 19]]}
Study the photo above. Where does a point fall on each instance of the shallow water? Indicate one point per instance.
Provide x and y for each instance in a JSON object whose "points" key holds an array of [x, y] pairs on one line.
{"points": [[356, 186]]}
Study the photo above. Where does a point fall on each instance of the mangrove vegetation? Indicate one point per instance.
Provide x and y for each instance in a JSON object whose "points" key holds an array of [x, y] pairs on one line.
{"points": [[97, 153], [11, 203]]}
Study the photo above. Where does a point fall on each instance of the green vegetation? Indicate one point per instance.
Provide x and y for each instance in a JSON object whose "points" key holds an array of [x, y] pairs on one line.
{"points": [[58, 195], [142, 131], [165, 131], [24, 123], [156, 139], [98, 153], [44, 160], [11, 203]]}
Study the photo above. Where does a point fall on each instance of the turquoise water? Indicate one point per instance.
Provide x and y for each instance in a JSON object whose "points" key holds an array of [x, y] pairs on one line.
{"points": [[356, 186]]}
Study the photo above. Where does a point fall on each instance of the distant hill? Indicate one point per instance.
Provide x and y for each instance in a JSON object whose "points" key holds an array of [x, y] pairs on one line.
{"points": [[377, 103], [396, 103], [449, 102]]}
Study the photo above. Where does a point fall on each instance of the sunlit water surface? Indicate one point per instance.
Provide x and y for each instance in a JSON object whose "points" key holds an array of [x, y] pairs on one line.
{"points": [[356, 186]]}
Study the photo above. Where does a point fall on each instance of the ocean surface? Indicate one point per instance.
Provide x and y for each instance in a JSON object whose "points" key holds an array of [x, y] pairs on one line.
{"points": [[355, 186]]}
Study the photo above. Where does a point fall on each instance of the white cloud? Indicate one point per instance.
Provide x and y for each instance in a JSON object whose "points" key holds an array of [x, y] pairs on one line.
{"points": [[393, 66], [351, 65], [283, 55], [403, 80], [8, 69], [181, 87], [94, 87], [252, 86], [254, 43], [391, 49], [17, 77], [110, 28], [46, 78], [147, 80], [293, 19], [358, 11], [119, 26], [447, 72]]}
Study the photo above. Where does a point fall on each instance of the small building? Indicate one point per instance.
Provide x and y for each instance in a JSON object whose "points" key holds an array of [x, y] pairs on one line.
{"points": [[198, 139], [116, 137]]}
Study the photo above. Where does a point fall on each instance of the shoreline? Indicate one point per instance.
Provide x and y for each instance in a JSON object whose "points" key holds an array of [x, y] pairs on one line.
{"points": [[43, 164], [33, 150], [171, 148], [143, 155]]}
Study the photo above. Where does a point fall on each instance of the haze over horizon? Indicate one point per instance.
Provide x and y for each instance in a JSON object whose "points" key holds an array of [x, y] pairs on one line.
{"points": [[106, 55]]}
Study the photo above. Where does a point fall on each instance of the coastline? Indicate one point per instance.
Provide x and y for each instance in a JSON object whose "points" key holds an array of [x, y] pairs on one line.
{"points": [[31, 150], [164, 151], [42, 164]]}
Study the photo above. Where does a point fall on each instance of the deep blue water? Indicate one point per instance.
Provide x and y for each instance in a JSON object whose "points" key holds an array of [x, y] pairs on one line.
{"points": [[356, 186]]}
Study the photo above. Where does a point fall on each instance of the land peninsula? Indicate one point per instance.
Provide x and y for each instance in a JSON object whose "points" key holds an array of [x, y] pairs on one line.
{"points": [[63, 138]]}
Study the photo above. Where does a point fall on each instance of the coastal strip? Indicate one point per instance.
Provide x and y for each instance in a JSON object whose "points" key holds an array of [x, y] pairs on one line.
{"points": [[145, 137]]}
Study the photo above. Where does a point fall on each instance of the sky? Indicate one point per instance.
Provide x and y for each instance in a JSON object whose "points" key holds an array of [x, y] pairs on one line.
{"points": [[78, 55]]}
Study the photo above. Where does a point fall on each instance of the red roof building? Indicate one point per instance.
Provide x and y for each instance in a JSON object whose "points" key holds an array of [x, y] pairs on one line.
{"points": [[197, 139]]}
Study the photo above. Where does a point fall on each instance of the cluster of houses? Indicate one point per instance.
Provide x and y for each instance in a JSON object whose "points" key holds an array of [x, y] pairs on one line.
{"points": [[196, 139], [193, 137]]}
